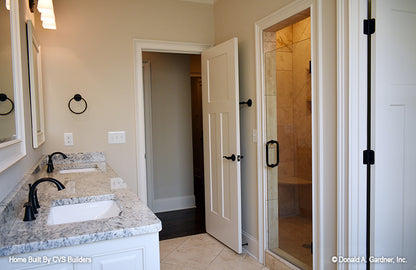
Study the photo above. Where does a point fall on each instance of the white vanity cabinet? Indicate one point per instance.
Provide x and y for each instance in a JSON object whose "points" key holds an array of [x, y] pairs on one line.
{"points": [[128, 240], [128, 253]]}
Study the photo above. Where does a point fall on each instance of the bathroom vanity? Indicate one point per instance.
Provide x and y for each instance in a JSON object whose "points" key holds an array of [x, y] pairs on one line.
{"points": [[125, 239]]}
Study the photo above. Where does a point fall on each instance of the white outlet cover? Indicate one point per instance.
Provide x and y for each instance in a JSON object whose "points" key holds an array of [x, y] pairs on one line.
{"points": [[117, 183], [68, 139], [116, 137]]}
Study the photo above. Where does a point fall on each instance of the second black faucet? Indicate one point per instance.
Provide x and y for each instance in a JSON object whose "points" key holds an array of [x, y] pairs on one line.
{"points": [[50, 162]]}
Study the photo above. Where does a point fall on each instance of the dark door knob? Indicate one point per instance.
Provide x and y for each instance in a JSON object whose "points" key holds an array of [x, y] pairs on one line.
{"points": [[232, 157]]}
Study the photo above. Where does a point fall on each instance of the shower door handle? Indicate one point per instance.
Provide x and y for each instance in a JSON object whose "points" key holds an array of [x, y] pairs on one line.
{"points": [[268, 144]]}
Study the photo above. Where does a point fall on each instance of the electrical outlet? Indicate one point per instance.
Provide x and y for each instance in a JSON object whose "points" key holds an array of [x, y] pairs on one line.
{"points": [[117, 183], [68, 139], [116, 137]]}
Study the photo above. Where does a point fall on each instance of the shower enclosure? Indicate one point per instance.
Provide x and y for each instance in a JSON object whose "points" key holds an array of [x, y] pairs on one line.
{"points": [[287, 55]]}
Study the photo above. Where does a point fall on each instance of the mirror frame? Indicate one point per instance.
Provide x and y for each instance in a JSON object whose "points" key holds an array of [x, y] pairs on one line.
{"points": [[14, 150], [36, 91]]}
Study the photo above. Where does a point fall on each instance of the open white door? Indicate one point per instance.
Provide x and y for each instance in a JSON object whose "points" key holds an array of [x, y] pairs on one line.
{"points": [[394, 232], [221, 123]]}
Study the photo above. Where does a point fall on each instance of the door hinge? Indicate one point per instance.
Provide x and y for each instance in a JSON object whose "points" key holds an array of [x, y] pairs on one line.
{"points": [[368, 157], [369, 26]]}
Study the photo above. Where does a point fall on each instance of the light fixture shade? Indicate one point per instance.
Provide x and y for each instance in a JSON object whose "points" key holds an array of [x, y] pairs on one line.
{"points": [[44, 5], [49, 24], [8, 4], [47, 15]]}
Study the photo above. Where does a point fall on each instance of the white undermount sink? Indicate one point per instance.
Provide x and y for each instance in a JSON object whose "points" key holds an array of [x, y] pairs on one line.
{"points": [[79, 170], [82, 212]]}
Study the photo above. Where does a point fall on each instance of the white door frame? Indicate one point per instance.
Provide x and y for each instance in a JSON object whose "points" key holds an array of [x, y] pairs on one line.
{"points": [[260, 26], [139, 46], [352, 74], [351, 130], [147, 90], [352, 77], [324, 204]]}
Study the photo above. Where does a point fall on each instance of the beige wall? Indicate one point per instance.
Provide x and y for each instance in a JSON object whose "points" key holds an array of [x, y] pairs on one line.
{"points": [[236, 18], [11, 176], [171, 129], [91, 53]]}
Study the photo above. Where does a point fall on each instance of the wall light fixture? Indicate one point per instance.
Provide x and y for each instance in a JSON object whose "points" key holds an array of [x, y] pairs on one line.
{"points": [[47, 14]]}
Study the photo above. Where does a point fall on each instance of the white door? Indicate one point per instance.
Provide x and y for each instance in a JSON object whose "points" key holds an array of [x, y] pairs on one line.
{"points": [[394, 93], [221, 123]]}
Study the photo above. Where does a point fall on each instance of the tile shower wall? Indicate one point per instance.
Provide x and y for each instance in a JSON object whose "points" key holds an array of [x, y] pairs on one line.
{"points": [[284, 77], [294, 119], [302, 114], [302, 99]]}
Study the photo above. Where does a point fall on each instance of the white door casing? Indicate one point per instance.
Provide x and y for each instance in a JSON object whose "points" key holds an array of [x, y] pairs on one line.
{"points": [[221, 125], [147, 97], [394, 132], [141, 45], [324, 158]]}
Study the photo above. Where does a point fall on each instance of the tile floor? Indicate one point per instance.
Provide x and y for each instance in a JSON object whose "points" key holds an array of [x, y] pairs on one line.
{"points": [[201, 251], [295, 232]]}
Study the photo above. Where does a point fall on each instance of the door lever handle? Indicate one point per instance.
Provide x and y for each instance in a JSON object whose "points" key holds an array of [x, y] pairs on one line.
{"points": [[232, 157]]}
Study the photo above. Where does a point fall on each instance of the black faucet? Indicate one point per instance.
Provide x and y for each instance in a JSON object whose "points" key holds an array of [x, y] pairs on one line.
{"points": [[33, 203], [50, 163]]}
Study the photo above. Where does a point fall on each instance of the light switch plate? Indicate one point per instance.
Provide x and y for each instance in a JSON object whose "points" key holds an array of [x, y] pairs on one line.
{"points": [[68, 139], [116, 137]]}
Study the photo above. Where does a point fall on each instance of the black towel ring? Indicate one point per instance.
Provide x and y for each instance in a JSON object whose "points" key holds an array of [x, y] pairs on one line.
{"points": [[77, 97], [3, 97]]}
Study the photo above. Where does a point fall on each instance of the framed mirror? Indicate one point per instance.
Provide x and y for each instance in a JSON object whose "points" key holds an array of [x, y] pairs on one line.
{"points": [[36, 90], [7, 112], [12, 133]]}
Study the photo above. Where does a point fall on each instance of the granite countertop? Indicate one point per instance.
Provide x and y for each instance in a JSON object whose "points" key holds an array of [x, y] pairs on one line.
{"points": [[19, 237]]}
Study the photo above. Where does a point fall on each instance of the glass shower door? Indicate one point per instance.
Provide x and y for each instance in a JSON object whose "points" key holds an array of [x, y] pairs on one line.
{"points": [[271, 150], [289, 142]]}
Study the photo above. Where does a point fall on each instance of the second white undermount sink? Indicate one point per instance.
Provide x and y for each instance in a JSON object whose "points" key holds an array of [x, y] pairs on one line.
{"points": [[83, 212], [79, 170]]}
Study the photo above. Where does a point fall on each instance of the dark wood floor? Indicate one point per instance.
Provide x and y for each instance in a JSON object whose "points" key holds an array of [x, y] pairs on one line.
{"points": [[181, 223]]}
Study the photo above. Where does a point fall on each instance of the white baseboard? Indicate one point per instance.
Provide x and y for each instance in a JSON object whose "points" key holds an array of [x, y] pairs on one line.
{"points": [[173, 203], [253, 245]]}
